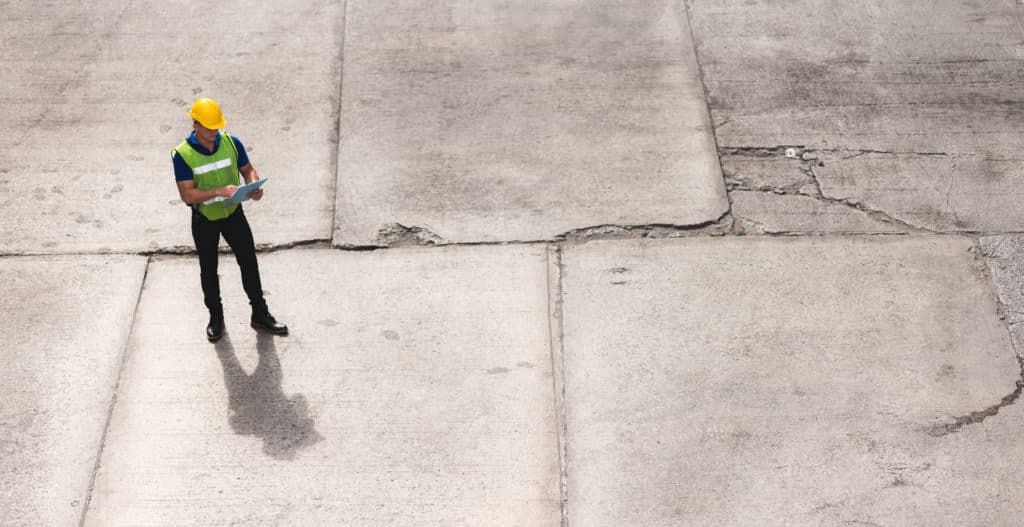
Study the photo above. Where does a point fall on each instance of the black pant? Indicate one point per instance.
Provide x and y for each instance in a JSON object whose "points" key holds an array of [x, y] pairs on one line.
{"points": [[236, 231]]}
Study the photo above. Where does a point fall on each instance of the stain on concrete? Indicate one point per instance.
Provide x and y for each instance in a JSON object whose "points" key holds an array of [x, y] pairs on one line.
{"points": [[946, 373], [500, 369], [390, 335]]}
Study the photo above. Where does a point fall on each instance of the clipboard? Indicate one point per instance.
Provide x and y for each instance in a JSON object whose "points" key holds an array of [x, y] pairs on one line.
{"points": [[242, 193]]}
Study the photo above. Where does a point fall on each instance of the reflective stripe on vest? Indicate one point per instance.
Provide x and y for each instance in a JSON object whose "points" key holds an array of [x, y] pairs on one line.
{"points": [[218, 169]]}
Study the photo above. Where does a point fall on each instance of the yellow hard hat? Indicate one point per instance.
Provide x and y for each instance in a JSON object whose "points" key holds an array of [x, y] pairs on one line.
{"points": [[207, 112]]}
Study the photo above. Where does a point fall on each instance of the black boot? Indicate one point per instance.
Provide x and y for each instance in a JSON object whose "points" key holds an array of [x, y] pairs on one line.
{"points": [[215, 329], [262, 319]]}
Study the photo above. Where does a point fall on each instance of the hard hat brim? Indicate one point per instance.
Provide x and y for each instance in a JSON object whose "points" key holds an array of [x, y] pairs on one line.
{"points": [[212, 126]]}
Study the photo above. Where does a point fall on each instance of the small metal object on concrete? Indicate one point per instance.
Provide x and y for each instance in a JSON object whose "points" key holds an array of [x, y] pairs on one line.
{"points": [[66, 323], [501, 121], [415, 388], [788, 381]]}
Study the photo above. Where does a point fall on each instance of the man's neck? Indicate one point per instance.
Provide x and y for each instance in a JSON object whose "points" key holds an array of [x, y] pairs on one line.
{"points": [[208, 145]]}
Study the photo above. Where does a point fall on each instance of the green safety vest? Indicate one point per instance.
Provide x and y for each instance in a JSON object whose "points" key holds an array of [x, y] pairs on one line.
{"points": [[218, 169]]}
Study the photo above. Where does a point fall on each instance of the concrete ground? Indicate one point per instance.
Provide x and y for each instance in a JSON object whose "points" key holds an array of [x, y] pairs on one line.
{"points": [[603, 263]]}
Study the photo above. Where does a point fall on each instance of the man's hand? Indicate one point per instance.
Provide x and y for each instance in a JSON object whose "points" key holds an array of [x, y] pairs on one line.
{"points": [[256, 194], [227, 191]]}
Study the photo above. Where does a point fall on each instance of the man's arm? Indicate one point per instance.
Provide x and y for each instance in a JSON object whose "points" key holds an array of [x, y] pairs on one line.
{"points": [[191, 195], [249, 173]]}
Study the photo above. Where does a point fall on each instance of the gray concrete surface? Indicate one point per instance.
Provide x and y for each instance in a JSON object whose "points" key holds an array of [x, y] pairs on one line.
{"points": [[774, 367], [786, 382], [415, 389], [66, 325], [928, 92], [96, 95], [497, 121]]}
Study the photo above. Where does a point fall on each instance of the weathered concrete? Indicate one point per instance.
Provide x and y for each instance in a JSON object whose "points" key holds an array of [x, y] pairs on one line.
{"points": [[498, 121], [96, 95], [415, 389], [768, 171], [942, 193], [66, 324], [1005, 255], [932, 86], [771, 213], [787, 381], [772, 192]]}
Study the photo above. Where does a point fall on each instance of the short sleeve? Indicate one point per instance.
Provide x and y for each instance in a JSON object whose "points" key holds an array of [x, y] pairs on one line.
{"points": [[182, 172], [243, 158]]}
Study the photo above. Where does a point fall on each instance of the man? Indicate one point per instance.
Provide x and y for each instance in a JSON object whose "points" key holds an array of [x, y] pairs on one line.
{"points": [[206, 168]]}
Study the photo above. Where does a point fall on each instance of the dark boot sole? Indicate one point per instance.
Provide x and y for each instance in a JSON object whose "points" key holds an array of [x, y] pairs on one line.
{"points": [[268, 330], [214, 339]]}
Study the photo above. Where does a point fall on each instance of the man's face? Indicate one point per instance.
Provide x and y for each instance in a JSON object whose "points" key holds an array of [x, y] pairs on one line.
{"points": [[203, 132]]}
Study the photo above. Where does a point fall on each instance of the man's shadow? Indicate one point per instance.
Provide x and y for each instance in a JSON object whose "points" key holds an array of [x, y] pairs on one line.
{"points": [[258, 405]]}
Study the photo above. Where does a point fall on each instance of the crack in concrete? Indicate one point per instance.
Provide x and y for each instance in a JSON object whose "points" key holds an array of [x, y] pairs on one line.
{"points": [[982, 258], [556, 273], [687, 15], [113, 398], [809, 159], [403, 236], [717, 227], [340, 24], [398, 235], [780, 150], [742, 222], [939, 430]]}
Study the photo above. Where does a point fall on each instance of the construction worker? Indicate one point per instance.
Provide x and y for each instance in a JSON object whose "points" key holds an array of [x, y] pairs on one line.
{"points": [[206, 168]]}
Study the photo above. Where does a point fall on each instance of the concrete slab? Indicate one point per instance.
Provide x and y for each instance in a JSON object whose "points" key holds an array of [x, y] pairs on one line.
{"points": [[498, 121], [96, 95], [928, 88], [788, 381], [66, 326], [415, 389]]}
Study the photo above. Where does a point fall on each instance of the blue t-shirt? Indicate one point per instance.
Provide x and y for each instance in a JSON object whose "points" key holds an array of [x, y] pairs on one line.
{"points": [[182, 172]]}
